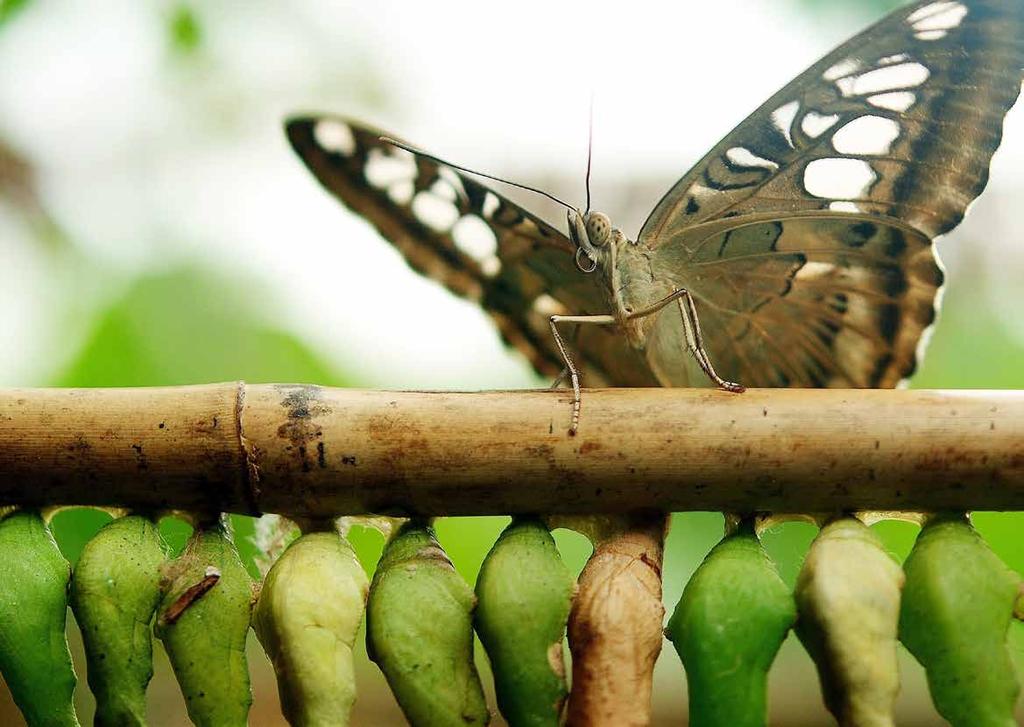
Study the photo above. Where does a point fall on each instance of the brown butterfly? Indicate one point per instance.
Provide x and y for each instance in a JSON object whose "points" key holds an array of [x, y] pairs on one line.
{"points": [[804, 239]]}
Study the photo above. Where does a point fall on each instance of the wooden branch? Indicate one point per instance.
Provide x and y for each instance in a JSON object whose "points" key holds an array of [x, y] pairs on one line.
{"points": [[316, 452]]}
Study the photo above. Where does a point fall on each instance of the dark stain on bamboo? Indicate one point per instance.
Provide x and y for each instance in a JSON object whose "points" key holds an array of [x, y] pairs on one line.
{"points": [[304, 404]]}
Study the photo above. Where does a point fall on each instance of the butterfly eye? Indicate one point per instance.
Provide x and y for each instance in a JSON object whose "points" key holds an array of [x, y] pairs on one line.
{"points": [[599, 228]]}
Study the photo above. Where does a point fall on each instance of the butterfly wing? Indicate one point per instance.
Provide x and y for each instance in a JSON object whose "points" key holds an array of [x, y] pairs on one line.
{"points": [[471, 239], [887, 138], [802, 300]]}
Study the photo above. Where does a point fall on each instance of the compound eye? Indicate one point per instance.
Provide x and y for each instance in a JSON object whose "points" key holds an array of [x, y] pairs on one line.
{"points": [[599, 228]]}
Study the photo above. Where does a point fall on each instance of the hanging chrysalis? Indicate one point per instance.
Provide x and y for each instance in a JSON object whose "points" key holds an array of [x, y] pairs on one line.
{"points": [[34, 657], [957, 607], [419, 631], [115, 591], [524, 592], [615, 626], [307, 616], [203, 621], [728, 627], [848, 597]]}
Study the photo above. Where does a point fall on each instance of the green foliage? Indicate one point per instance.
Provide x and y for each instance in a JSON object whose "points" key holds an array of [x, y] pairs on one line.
{"points": [[10, 8], [972, 349], [74, 527], [191, 326], [184, 30]]}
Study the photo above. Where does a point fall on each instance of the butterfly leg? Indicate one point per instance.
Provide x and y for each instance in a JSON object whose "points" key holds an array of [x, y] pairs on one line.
{"points": [[574, 374], [691, 329], [695, 342], [563, 375]]}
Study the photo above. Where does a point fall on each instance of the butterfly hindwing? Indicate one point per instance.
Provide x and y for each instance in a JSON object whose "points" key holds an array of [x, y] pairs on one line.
{"points": [[476, 242], [804, 300]]}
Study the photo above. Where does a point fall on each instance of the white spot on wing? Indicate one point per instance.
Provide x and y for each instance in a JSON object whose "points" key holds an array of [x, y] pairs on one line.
{"points": [[894, 101], [547, 306], [892, 60], [453, 179], [940, 16], [443, 189], [814, 270], [475, 237], [385, 169], [815, 124], [783, 118], [842, 68], [745, 158], [335, 136], [838, 178], [889, 78], [866, 135], [434, 212], [844, 206], [491, 266], [936, 7], [931, 35], [401, 192], [491, 205]]}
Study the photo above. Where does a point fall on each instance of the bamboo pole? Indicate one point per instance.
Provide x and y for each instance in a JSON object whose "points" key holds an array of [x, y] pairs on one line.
{"points": [[312, 452]]}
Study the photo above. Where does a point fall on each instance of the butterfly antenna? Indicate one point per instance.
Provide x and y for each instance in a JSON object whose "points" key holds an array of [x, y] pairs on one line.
{"points": [[590, 149], [426, 155]]}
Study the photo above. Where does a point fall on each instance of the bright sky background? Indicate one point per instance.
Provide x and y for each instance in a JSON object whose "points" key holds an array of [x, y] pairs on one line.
{"points": [[152, 163]]}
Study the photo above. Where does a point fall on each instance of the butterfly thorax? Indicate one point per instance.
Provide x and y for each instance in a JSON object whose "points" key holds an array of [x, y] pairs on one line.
{"points": [[625, 271]]}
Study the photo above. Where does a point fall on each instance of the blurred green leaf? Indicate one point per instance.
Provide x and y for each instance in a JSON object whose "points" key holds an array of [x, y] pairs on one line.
{"points": [[972, 348], [73, 528], [8, 8], [189, 327], [787, 544], [176, 532], [574, 547], [1002, 531], [186, 34], [368, 543], [468, 540], [897, 536]]}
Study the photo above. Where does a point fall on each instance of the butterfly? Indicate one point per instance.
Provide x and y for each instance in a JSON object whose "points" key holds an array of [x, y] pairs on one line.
{"points": [[797, 253]]}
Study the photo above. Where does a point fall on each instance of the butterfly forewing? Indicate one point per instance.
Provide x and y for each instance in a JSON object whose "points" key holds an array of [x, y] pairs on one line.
{"points": [[891, 133], [900, 121], [473, 240]]}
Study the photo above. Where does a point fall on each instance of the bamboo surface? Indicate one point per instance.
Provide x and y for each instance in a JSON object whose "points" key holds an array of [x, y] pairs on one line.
{"points": [[311, 451]]}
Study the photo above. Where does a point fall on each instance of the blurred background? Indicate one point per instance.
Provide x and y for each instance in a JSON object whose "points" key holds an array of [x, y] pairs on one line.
{"points": [[156, 229]]}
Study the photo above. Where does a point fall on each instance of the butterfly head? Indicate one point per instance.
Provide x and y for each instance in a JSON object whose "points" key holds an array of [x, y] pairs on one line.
{"points": [[594, 237]]}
